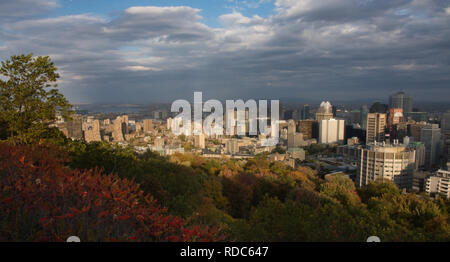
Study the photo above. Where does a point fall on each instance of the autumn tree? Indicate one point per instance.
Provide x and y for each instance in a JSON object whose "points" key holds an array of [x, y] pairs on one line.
{"points": [[29, 98]]}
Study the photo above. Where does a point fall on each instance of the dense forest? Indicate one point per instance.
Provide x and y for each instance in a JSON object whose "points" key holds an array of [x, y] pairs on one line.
{"points": [[101, 192]]}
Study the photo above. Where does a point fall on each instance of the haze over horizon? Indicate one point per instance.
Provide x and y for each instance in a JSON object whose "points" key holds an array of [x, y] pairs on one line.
{"points": [[159, 51]]}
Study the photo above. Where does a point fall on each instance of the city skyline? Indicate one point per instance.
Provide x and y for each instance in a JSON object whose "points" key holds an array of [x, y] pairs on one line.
{"points": [[160, 51]]}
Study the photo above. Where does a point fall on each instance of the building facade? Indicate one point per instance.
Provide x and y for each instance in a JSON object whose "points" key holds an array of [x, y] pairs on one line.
{"points": [[325, 112], [379, 162], [439, 183], [431, 138], [401, 100], [376, 127], [331, 131]]}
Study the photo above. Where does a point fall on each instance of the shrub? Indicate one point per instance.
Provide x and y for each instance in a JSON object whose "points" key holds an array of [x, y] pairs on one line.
{"points": [[43, 200]]}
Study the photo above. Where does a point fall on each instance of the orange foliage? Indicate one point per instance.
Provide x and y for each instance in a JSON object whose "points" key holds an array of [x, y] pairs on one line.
{"points": [[42, 200]]}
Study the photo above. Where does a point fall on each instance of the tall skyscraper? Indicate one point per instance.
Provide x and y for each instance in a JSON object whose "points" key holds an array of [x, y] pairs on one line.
{"points": [[376, 125], [420, 153], [120, 128], [92, 134], [401, 100], [445, 122], [75, 128], [325, 111], [148, 125], [288, 114], [331, 131], [431, 138], [364, 113], [305, 112], [378, 107], [378, 162], [445, 126], [296, 115], [292, 127], [309, 129]]}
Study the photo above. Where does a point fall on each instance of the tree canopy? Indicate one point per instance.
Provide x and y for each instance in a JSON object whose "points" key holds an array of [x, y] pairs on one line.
{"points": [[29, 98]]}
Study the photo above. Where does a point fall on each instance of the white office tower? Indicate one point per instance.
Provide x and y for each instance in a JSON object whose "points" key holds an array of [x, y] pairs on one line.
{"points": [[380, 162], [331, 131]]}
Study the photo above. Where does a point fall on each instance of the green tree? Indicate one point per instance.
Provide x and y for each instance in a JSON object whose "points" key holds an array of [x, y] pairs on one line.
{"points": [[29, 100]]}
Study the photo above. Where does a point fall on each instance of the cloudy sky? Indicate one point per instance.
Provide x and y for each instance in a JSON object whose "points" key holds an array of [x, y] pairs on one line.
{"points": [[138, 51]]}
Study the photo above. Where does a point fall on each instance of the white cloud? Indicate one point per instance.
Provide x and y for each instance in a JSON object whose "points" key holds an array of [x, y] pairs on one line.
{"points": [[141, 68], [413, 67]]}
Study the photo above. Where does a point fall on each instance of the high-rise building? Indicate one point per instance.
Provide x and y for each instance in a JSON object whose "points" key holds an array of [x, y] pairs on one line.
{"points": [[419, 147], [92, 134], [401, 100], [295, 140], [445, 122], [378, 107], [376, 125], [309, 129], [325, 111], [305, 112], [431, 138], [120, 128], [148, 125], [199, 141], [380, 162], [331, 131], [232, 146], [446, 156], [399, 131], [415, 130], [395, 117], [296, 115], [292, 127], [75, 128], [445, 127], [288, 114], [364, 113]]}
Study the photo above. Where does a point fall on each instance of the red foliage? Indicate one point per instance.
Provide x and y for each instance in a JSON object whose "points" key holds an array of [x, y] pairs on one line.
{"points": [[42, 200]]}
